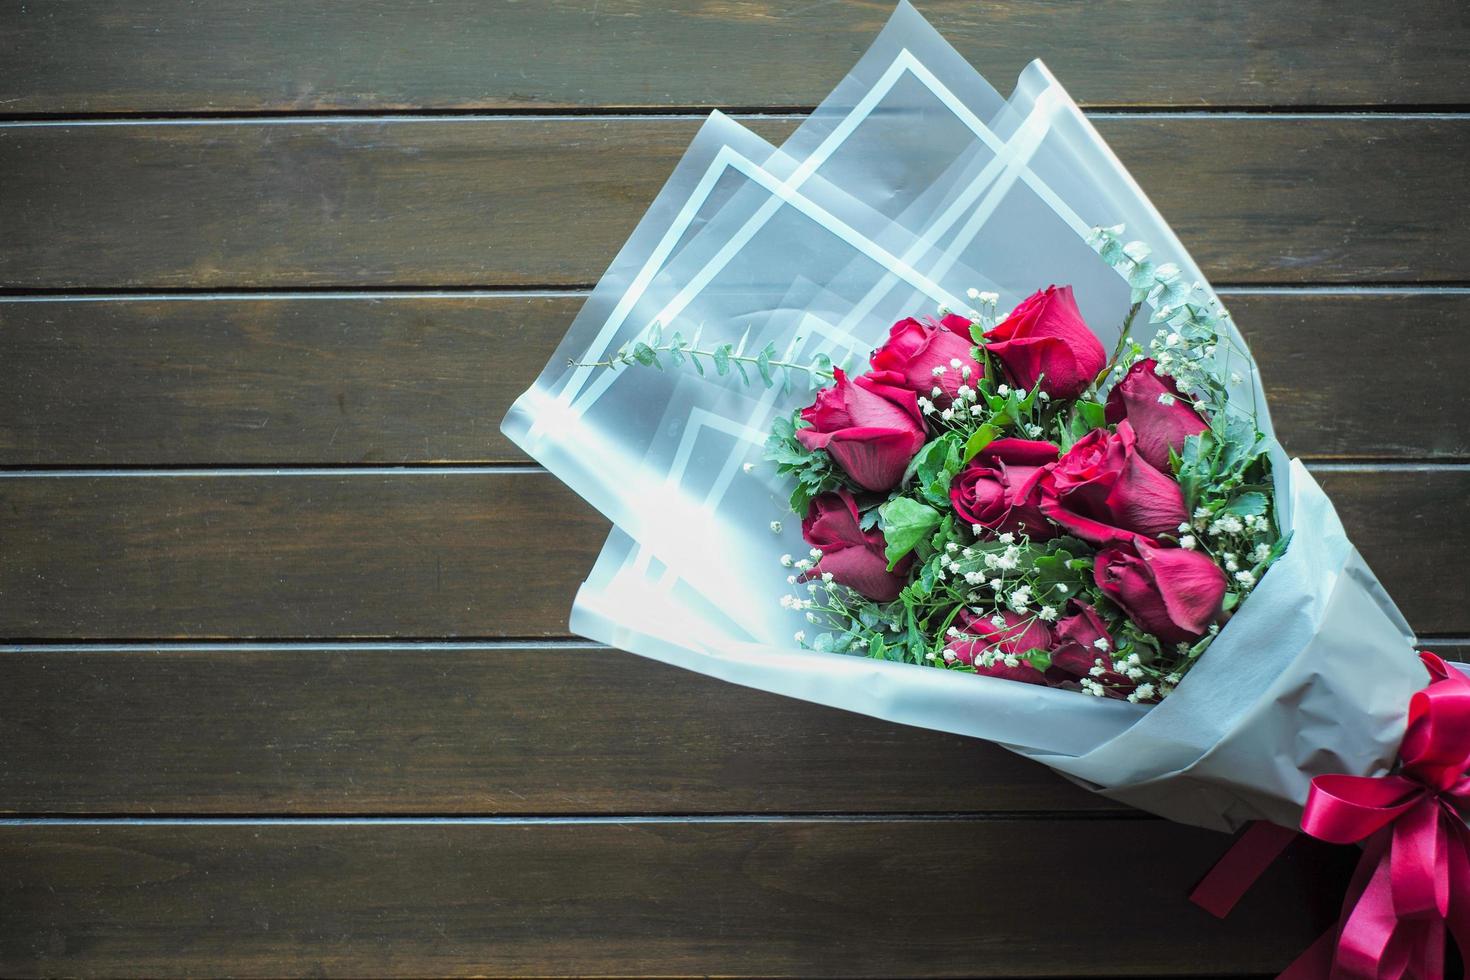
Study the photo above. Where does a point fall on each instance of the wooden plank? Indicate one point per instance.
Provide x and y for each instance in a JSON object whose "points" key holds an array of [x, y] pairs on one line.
{"points": [[371, 54], [460, 554], [790, 898], [410, 729], [462, 202], [517, 730], [412, 379]]}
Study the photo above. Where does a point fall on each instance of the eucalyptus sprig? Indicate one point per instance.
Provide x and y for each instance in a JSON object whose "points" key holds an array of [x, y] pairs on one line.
{"points": [[724, 359]]}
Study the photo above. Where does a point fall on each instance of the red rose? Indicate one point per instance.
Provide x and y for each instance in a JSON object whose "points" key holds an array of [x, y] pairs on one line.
{"points": [[870, 425], [1103, 490], [1046, 336], [1160, 425], [1173, 593], [854, 557], [914, 350], [1019, 634], [1000, 489], [1076, 651]]}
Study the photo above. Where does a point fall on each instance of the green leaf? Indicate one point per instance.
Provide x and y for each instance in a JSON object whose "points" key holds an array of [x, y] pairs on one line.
{"points": [[1093, 413], [763, 364], [722, 359], [1038, 658], [905, 523], [645, 355], [1250, 504], [981, 438]]}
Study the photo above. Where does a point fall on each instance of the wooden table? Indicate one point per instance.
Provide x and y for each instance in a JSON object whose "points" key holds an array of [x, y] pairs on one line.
{"points": [[287, 687]]}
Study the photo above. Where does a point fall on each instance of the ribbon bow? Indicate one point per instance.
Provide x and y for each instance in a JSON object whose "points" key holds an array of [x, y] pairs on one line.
{"points": [[1414, 877], [1413, 880]]}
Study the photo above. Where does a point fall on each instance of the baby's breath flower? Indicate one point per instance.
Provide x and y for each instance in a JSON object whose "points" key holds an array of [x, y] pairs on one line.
{"points": [[775, 527], [1166, 399], [938, 371], [799, 636], [1187, 542], [827, 577], [1246, 578], [1048, 613], [816, 553], [1101, 643], [748, 467], [786, 560]]}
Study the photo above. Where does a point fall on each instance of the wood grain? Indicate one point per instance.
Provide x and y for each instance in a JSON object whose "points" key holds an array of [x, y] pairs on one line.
{"points": [[450, 554], [464, 202], [411, 379], [840, 898], [507, 730], [175, 56], [413, 729]]}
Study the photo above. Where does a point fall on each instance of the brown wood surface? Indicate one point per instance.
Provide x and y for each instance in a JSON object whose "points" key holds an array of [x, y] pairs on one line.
{"points": [[800, 898], [460, 554], [416, 379], [459, 729], [279, 55], [357, 800], [462, 202], [509, 730]]}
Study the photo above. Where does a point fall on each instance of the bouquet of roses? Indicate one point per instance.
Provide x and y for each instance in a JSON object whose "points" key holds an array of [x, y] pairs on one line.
{"points": [[1003, 498], [1138, 587]]}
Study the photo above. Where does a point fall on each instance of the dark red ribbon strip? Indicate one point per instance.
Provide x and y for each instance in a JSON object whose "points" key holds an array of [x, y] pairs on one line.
{"points": [[1412, 884]]}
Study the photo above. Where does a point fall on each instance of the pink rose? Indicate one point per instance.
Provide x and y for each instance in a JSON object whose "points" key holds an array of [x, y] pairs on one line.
{"points": [[1046, 338], [870, 425], [1173, 593], [1076, 651], [1102, 490], [854, 557], [1000, 488], [914, 350], [1018, 635], [1160, 425]]}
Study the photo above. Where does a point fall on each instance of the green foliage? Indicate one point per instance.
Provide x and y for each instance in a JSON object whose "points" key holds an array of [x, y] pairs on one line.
{"points": [[652, 351], [905, 523], [812, 470]]}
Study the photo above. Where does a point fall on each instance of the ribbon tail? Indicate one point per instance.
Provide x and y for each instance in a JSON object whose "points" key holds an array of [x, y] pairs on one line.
{"points": [[1237, 870], [1315, 963]]}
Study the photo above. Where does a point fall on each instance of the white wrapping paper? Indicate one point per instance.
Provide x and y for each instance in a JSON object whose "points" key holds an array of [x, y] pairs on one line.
{"points": [[913, 182]]}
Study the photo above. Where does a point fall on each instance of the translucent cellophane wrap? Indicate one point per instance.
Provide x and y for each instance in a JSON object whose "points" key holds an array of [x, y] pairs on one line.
{"points": [[912, 183]]}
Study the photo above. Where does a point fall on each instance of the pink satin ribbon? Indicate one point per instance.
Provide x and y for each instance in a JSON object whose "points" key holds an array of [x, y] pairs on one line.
{"points": [[1412, 884]]}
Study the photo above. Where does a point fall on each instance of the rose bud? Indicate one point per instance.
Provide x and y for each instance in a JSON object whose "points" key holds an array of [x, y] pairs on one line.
{"points": [[1019, 634], [917, 350], [1173, 593], [852, 556], [1077, 651], [870, 425], [999, 489], [1102, 490], [1046, 338], [1159, 414]]}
